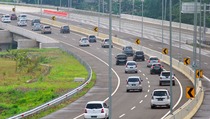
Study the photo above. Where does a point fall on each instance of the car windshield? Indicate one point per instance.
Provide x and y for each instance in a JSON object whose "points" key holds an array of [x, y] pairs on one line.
{"points": [[133, 80], [94, 106], [106, 40], [36, 21], [160, 93], [84, 39], [6, 16], [166, 73], [128, 48], [153, 58]]}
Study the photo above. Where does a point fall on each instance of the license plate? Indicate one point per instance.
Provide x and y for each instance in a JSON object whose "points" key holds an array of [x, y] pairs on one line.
{"points": [[93, 116], [160, 99], [133, 84]]}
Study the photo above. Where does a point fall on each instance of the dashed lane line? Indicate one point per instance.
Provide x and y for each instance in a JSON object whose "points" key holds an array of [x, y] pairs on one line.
{"points": [[121, 115], [145, 96], [133, 108], [141, 101]]}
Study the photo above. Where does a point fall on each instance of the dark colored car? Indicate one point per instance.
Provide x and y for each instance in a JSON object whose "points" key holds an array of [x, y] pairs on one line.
{"points": [[92, 38], [121, 59], [65, 29], [35, 21], [13, 16], [128, 50], [156, 68], [138, 55]]}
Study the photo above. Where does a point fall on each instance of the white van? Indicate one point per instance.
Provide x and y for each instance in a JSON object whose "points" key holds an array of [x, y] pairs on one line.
{"points": [[6, 18], [22, 16]]}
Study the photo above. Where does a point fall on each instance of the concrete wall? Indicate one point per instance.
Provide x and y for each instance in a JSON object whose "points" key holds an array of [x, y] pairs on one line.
{"points": [[5, 37], [26, 43]]}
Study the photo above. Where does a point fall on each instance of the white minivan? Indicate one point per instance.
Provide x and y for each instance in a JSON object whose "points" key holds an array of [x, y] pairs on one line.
{"points": [[6, 18], [22, 17]]}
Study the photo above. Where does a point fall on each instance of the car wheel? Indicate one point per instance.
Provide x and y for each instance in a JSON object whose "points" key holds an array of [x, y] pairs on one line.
{"points": [[168, 106], [117, 63], [140, 90], [125, 71], [173, 83], [152, 106], [136, 71], [127, 90]]}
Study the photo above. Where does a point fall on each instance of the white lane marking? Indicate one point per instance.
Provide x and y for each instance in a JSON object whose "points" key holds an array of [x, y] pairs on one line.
{"points": [[148, 91], [145, 96], [139, 70], [133, 108], [112, 54], [143, 74], [206, 78], [148, 82], [150, 45], [141, 101], [148, 85], [118, 78], [146, 78], [121, 115], [205, 63], [180, 97]]}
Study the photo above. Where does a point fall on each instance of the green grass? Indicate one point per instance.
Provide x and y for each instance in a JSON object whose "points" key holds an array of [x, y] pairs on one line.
{"points": [[21, 91]]}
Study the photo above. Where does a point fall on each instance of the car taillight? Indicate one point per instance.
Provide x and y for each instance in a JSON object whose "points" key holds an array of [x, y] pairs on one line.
{"points": [[159, 61], [148, 61], [102, 110], [85, 110], [152, 67]]}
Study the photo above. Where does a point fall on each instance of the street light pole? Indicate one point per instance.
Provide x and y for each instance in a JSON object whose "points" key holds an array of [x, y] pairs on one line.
{"points": [[110, 59], [133, 9], [171, 97], [195, 43], [99, 2], [162, 22], [60, 3], [119, 15], [142, 18], [200, 38], [103, 5], [180, 21]]}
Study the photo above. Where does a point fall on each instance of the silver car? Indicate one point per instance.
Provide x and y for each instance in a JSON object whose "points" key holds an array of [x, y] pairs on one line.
{"points": [[134, 83], [151, 60], [36, 27], [131, 66]]}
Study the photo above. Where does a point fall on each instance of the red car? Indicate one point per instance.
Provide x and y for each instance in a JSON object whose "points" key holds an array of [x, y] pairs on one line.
{"points": [[13, 16]]}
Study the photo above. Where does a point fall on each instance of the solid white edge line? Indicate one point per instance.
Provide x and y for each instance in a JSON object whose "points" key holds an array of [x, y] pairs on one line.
{"points": [[141, 101], [118, 78], [206, 78], [148, 85], [148, 91], [180, 97]]}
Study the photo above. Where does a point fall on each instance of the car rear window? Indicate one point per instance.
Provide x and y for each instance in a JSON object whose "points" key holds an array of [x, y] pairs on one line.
{"points": [[166, 73], [133, 80], [47, 27], [66, 27], [139, 53], [94, 106], [121, 56], [160, 93], [131, 63], [92, 36], [106, 40], [84, 39], [153, 58]]}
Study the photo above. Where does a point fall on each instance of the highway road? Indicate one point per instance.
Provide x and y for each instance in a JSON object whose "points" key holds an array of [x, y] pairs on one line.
{"points": [[125, 105]]}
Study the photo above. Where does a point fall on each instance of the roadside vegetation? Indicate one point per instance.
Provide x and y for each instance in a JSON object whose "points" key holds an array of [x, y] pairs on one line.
{"points": [[29, 78]]}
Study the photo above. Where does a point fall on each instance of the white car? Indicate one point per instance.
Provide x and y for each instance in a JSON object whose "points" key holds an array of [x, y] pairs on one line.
{"points": [[131, 66], [165, 78], [84, 42], [105, 43], [36, 27], [22, 17], [160, 97], [151, 60], [134, 83], [96, 110], [6, 18], [22, 22]]}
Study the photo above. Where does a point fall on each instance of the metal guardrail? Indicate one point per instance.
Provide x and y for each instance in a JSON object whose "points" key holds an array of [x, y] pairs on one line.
{"points": [[63, 97]]}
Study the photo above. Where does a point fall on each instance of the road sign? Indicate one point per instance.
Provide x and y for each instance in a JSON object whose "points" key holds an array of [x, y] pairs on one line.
{"points": [[190, 92], [53, 18], [165, 51], [199, 73], [186, 61], [96, 29], [13, 9], [138, 41], [189, 7]]}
